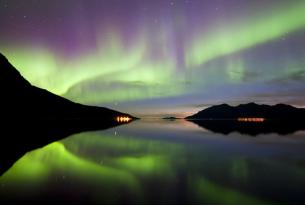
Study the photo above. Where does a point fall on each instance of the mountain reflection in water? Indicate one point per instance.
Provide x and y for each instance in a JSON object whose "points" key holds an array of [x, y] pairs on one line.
{"points": [[161, 162], [252, 126]]}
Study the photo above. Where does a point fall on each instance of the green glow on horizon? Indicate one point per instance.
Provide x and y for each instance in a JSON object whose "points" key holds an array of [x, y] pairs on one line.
{"points": [[57, 75], [153, 63], [148, 66], [245, 35], [110, 63], [147, 81]]}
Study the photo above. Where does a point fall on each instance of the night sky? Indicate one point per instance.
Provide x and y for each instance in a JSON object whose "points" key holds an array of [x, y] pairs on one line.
{"points": [[159, 57]]}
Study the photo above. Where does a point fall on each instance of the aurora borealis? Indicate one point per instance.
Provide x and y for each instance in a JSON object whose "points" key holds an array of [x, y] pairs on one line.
{"points": [[155, 57]]}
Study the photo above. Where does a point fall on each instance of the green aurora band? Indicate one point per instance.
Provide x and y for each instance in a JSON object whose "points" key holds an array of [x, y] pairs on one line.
{"points": [[154, 65], [246, 34]]}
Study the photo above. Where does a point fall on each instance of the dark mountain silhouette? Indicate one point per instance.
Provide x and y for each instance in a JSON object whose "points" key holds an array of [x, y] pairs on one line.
{"points": [[19, 99], [251, 110], [32, 117], [281, 119]]}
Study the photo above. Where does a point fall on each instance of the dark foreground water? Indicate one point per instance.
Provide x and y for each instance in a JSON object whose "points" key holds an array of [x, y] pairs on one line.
{"points": [[160, 162]]}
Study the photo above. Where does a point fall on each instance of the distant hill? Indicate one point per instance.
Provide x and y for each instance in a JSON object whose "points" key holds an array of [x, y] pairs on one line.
{"points": [[251, 119], [21, 100], [170, 118], [250, 110]]}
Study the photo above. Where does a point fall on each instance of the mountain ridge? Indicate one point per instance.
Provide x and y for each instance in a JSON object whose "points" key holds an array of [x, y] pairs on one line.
{"points": [[20, 99], [250, 110]]}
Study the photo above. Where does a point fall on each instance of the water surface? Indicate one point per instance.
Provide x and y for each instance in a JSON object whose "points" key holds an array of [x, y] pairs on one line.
{"points": [[161, 162]]}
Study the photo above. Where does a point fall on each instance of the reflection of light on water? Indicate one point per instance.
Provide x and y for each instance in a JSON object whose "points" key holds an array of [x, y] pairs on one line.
{"points": [[250, 119], [123, 119], [136, 162]]}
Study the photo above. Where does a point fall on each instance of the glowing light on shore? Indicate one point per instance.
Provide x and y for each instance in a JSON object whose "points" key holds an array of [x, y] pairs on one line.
{"points": [[250, 119], [123, 119]]}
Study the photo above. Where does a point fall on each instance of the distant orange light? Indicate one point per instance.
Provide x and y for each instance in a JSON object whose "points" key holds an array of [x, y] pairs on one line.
{"points": [[123, 119], [250, 119]]}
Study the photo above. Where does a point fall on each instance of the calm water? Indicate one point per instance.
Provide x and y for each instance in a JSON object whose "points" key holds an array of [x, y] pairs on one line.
{"points": [[161, 162]]}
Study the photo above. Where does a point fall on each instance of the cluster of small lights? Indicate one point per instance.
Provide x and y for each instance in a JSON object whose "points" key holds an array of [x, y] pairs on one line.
{"points": [[250, 119], [123, 119]]}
